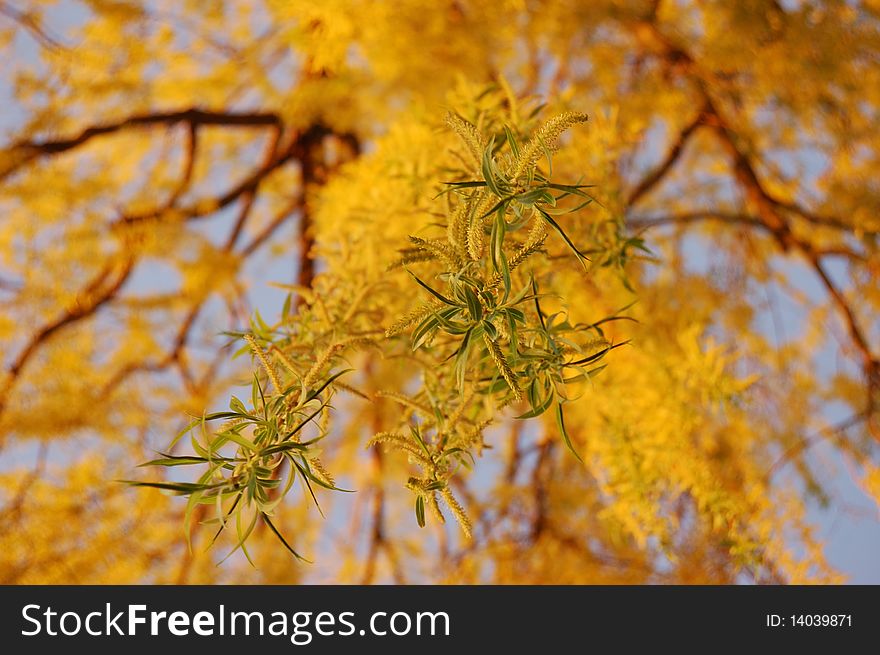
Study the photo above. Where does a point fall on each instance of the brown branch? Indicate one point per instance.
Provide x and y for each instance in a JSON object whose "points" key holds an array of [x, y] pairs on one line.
{"points": [[25, 152], [748, 180], [672, 156], [313, 173], [299, 148], [13, 509], [96, 294], [280, 218], [775, 221], [830, 432], [540, 519], [192, 141], [176, 355], [377, 521], [27, 22], [250, 196], [769, 210], [379, 542], [696, 216], [734, 218], [516, 454], [812, 217], [188, 559], [870, 363]]}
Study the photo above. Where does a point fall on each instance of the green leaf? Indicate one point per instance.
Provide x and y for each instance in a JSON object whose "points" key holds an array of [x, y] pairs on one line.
{"points": [[180, 488], [512, 330], [538, 407], [560, 422], [439, 296], [597, 356], [260, 322], [586, 375], [236, 405], [418, 437], [281, 538], [511, 141], [461, 359], [222, 519], [500, 206], [262, 395], [173, 460], [240, 440], [314, 394], [420, 511], [466, 185], [306, 471], [533, 196], [475, 309], [538, 304], [242, 537], [488, 169], [425, 330], [581, 257], [306, 420]]}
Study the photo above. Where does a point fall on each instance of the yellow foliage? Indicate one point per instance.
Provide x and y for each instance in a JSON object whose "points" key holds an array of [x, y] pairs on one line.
{"points": [[157, 158]]}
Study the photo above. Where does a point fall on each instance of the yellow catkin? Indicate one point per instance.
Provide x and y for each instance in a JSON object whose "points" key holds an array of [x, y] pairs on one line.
{"points": [[285, 360], [475, 436], [503, 366], [458, 511], [476, 236], [383, 437], [469, 135], [456, 230], [546, 138], [318, 466], [232, 423], [459, 411], [350, 389], [529, 248], [440, 250], [413, 317], [406, 401], [400, 442], [328, 354], [434, 506], [536, 238], [261, 355], [322, 361], [412, 258]]}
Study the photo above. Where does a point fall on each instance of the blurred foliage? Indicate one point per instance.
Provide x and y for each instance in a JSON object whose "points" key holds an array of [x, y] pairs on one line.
{"points": [[161, 158]]}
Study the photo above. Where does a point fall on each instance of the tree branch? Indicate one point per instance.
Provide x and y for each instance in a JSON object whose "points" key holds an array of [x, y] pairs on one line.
{"points": [[25, 152], [27, 22], [769, 210], [672, 156], [95, 295]]}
